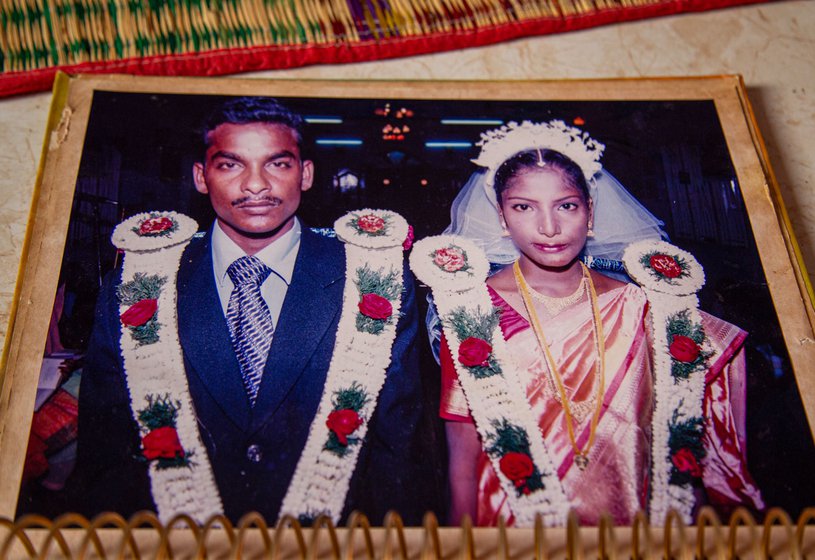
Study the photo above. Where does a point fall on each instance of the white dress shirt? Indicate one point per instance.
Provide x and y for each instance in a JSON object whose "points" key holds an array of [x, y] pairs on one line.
{"points": [[279, 255]]}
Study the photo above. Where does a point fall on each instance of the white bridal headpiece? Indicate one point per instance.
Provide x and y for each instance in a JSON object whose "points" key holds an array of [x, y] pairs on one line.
{"points": [[498, 145], [619, 218]]}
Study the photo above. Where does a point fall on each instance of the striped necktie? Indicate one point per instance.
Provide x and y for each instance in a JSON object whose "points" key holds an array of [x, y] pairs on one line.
{"points": [[250, 323]]}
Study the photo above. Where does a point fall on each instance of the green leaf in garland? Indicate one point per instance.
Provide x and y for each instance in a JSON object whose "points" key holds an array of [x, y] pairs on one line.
{"points": [[158, 423], [147, 333], [345, 419], [680, 324], [686, 449], [478, 324], [370, 325], [163, 463], [334, 446], [160, 412], [353, 398], [509, 438], [141, 287], [376, 283]]}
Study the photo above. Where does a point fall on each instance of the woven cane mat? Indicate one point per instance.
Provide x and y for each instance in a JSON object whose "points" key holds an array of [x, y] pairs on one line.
{"points": [[211, 37]]}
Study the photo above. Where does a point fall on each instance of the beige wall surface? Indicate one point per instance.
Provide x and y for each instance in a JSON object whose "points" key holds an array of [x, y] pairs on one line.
{"points": [[770, 45]]}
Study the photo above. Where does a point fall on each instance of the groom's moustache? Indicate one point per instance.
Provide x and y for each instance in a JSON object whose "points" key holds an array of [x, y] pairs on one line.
{"points": [[252, 200]]}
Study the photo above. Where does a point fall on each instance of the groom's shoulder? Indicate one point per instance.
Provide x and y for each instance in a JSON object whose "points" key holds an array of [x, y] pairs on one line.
{"points": [[197, 247], [322, 241]]}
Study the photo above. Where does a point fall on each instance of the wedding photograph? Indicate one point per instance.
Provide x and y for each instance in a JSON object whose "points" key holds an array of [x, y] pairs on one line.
{"points": [[313, 304]]}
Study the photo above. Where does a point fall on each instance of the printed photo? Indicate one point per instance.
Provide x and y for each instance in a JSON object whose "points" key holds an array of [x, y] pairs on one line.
{"points": [[501, 303]]}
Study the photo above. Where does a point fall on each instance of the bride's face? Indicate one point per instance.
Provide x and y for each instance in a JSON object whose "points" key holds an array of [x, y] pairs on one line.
{"points": [[546, 217]]}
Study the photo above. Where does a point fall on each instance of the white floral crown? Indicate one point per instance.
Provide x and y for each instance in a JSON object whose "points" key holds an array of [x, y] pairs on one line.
{"points": [[500, 144]]}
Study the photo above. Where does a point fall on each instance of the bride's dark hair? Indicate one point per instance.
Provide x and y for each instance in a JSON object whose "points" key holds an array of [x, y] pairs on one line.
{"points": [[537, 160]]}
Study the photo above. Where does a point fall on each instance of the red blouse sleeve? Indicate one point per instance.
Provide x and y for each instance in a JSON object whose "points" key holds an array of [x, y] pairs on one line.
{"points": [[453, 405]]}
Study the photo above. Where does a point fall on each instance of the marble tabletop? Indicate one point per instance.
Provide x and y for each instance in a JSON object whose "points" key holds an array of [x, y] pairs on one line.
{"points": [[770, 45]]}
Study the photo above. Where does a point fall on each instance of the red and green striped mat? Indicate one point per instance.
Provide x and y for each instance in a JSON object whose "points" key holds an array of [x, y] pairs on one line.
{"points": [[210, 37]]}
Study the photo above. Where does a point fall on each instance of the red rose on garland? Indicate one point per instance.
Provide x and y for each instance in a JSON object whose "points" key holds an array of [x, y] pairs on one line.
{"points": [[684, 349], [408, 242], [153, 226], [686, 462], [665, 265], [162, 443], [139, 313], [450, 259], [371, 223], [517, 467], [343, 423], [474, 352], [375, 306]]}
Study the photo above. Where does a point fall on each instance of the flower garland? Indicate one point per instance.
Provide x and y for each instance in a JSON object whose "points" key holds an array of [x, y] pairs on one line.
{"points": [[670, 278], [180, 472], [181, 476], [491, 382], [455, 269], [374, 244]]}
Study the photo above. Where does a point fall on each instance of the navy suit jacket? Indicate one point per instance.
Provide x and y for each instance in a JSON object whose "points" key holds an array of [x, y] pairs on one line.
{"points": [[253, 450]]}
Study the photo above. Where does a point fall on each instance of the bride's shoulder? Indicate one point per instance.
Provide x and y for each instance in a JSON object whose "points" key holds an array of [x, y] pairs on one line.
{"points": [[503, 280], [604, 284]]}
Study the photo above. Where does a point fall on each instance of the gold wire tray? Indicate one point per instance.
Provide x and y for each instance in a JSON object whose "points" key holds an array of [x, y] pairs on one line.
{"points": [[109, 535]]}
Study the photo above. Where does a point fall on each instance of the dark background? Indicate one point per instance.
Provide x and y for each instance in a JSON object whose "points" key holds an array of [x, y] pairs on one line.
{"points": [[671, 155]]}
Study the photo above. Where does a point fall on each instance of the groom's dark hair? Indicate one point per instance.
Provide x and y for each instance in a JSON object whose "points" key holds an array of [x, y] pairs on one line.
{"points": [[247, 110]]}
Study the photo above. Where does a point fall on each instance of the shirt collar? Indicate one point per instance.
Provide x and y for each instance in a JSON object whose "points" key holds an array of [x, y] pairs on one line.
{"points": [[279, 255]]}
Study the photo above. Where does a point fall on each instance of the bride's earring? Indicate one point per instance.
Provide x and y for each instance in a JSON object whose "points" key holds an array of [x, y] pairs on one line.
{"points": [[590, 232], [504, 230]]}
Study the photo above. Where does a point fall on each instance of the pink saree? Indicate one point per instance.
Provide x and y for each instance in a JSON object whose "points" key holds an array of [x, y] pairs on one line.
{"points": [[616, 479]]}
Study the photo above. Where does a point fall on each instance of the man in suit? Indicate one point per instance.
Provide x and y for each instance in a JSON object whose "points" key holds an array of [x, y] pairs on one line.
{"points": [[254, 175]]}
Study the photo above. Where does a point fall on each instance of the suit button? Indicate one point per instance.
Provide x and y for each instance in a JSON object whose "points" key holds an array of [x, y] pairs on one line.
{"points": [[254, 453]]}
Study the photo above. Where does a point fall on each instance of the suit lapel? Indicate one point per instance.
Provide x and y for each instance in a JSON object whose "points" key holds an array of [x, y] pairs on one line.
{"points": [[309, 314], [204, 334]]}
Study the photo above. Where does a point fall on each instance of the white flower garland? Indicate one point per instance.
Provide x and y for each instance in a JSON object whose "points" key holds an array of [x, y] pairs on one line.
{"points": [[499, 397], [502, 397], [157, 369], [322, 477], [691, 280], [674, 397], [125, 235]]}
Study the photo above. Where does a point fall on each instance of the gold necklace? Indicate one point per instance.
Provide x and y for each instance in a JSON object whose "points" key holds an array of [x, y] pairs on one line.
{"points": [[555, 305], [581, 458], [579, 410]]}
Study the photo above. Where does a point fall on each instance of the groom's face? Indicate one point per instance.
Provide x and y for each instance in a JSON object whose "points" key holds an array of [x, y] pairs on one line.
{"points": [[254, 176]]}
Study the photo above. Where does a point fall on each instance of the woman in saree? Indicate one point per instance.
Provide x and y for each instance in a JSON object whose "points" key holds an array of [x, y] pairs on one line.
{"points": [[626, 424]]}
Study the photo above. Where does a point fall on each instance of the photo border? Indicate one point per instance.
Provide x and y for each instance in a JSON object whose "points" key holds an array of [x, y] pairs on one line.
{"points": [[68, 121]]}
